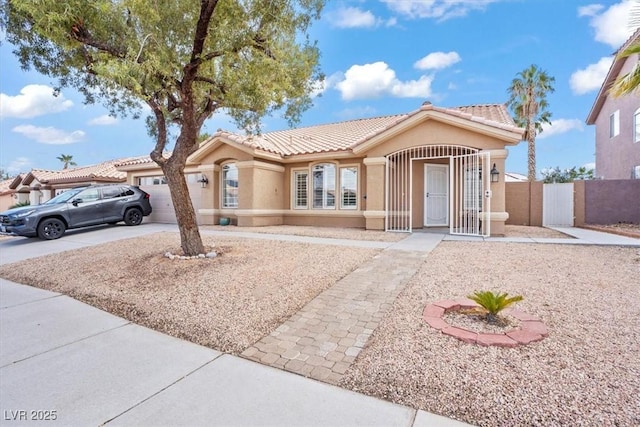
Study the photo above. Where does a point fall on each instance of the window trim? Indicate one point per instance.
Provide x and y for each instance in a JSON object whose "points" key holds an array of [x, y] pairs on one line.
{"points": [[312, 188], [614, 124], [294, 188], [357, 187], [338, 199], [223, 185], [636, 126]]}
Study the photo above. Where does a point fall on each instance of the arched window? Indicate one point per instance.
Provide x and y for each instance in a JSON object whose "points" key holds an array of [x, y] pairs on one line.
{"points": [[229, 185]]}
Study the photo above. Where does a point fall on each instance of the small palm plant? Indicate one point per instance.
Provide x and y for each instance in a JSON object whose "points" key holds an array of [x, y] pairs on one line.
{"points": [[493, 303]]}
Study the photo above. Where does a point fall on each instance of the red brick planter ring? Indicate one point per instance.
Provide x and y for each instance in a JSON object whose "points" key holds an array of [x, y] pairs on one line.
{"points": [[531, 328]]}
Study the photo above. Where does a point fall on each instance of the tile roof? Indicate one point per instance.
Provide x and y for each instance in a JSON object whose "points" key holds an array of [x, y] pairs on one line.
{"points": [[4, 186], [344, 136], [139, 160], [105, 171]]}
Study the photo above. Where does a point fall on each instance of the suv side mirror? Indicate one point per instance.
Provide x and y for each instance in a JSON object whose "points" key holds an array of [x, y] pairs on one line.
{"points": [[75, 202]]}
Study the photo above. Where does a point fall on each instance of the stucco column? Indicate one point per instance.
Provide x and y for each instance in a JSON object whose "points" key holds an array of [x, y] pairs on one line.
{"points": [[498, 216], [35, 195], [260, 193], [208, 194], [374, 214]]}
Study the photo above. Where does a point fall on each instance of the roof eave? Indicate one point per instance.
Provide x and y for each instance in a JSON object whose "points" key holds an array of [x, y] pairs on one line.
{"points": [[614, 70], [507, 134]]}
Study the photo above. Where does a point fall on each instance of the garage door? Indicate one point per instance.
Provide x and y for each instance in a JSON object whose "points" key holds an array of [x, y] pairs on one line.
{"points": [[163, 211]]}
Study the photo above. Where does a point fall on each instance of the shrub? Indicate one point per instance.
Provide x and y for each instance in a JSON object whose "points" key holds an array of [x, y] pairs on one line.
{"points": [[20, 204], [493, 303]]}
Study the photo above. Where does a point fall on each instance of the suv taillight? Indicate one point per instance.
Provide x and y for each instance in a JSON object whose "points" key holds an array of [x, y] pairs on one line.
{"points": [[147, 196]]}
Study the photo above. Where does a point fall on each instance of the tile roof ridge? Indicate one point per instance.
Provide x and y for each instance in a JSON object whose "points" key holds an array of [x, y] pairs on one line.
{"points": [[362, 119]]}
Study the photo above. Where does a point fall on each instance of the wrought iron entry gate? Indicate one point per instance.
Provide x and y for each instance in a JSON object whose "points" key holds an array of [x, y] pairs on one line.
{"points": [[467, 189]]}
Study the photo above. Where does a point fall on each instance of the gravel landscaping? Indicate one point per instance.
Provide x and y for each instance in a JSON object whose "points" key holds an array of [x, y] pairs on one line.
{"points": [[226, 303], [586, 372]]}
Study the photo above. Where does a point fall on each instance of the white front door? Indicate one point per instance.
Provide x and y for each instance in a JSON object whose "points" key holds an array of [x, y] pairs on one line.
{"points": [[436, 197]]}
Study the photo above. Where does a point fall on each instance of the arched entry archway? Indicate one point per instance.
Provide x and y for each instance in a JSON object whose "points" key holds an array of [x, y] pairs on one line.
{"points": [[455, 193]]}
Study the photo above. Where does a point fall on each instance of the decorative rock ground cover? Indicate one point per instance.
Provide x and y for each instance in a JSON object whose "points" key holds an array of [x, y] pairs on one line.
{"points": [[531, 328]]}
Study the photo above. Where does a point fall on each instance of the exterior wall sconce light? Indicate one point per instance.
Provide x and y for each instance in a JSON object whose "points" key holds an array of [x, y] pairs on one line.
{"points": [[203, 181], [495, 174]]}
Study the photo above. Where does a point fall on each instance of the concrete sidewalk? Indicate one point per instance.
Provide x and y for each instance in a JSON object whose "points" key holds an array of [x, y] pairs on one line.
{"points": [[575, 236], [62, 359]]}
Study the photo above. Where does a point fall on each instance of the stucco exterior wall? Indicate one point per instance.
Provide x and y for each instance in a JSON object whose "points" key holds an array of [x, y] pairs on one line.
{"points": [[616, 156], [7, 200], [431, 132]]}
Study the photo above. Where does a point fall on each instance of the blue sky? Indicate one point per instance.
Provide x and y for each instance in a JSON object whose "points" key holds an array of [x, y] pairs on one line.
{"points": [[380, 57]]}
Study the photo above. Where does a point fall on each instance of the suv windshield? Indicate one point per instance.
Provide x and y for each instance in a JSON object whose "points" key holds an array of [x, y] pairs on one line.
{"points": [[63, 197]]}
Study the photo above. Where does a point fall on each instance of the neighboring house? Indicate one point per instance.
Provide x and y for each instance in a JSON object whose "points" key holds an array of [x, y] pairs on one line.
{"points": [[8, 196], [515, 177], [40, 185], [427, 168], [617, 123]]}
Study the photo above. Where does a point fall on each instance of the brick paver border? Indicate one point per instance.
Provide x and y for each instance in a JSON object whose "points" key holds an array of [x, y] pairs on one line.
{"points": [[531, 328]]}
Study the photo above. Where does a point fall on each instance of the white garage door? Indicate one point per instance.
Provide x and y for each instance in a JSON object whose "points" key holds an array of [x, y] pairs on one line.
{"points": [[163, 211]]}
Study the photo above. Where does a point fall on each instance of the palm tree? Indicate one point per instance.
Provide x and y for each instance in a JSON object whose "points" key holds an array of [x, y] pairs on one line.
{"points": [[528, 102], [67, 160], [628, 83]]}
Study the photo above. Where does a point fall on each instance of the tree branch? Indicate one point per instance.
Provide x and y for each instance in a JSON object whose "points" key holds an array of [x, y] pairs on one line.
{"points": [[80, 33], [161, 137]]}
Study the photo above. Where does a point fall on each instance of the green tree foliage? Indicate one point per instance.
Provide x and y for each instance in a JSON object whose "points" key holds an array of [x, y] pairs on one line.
{"points": [[557, 175], [4, 174], [493, 303], [184, 59], [67, 160], [528, 102]]}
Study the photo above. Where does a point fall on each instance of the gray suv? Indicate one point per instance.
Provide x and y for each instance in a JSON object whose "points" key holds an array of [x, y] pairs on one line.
{"points": [[78, 207]]}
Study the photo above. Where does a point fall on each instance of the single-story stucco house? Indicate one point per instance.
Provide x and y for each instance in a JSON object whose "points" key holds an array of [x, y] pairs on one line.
{"points": [[433, 167], [40, 185], [8, 195]]}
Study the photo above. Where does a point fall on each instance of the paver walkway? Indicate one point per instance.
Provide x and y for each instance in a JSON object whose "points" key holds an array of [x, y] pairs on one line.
{"points": [[323, 339]]}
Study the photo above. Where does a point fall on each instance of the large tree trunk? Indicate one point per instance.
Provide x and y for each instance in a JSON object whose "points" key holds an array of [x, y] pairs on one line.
{"points": [[190, 239]]}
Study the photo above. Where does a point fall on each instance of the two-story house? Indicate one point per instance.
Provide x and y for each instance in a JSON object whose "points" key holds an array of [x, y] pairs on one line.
{"points": [[617, 123]]}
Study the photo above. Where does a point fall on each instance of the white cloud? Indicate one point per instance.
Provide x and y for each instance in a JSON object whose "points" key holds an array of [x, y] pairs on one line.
{"points": [[377, 79], [590, 78], [420, 88], [104, 120], [560, 126], [612, 26], [590, 10], [352, 17], [20, 164], [33, 101], [438, 9], [358, 112], [437, 61], [49, 135], [589, 166]]}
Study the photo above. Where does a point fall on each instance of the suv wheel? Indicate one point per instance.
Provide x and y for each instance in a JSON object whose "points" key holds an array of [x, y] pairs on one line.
{"points": [[133, 216], [51, 228]]}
